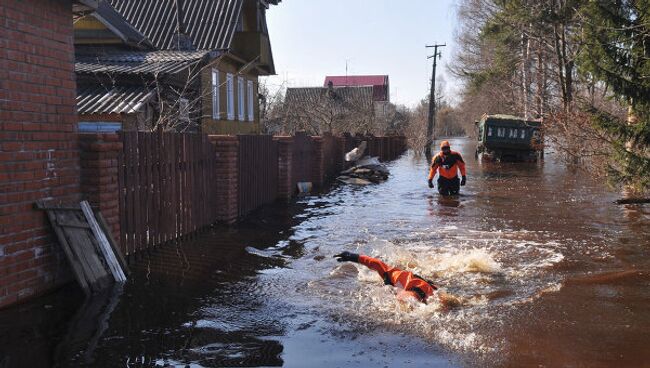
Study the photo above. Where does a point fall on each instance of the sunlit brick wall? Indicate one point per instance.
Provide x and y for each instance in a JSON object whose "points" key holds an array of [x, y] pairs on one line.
{"points": [[39, 156]]}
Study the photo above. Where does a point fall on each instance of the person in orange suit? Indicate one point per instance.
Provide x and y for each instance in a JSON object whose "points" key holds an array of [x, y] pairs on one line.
{"points": [[414, 285], [447, 163]]}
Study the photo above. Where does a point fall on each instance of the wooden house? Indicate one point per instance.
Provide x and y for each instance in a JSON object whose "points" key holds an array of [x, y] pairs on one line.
{"points": [[173, 64], [317, 110], [380, 85]]}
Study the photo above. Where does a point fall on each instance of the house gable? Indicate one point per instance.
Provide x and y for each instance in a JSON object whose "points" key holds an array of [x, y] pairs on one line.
{"points": [[105, 26]]}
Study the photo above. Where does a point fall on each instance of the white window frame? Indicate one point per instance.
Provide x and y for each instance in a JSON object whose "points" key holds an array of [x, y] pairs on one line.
{"points": [[216, 113], [251, 101], [241, 99], [230, 96]]}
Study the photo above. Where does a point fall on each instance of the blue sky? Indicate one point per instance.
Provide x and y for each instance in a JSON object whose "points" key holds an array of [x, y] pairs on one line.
{"points": [[311, 39]]}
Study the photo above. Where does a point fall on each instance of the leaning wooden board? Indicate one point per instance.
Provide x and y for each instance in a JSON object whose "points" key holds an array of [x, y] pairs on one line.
{"points": [[93, 259]]}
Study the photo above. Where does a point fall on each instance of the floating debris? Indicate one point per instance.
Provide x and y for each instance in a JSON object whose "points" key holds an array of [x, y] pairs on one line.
{"points": [[366, 171]]}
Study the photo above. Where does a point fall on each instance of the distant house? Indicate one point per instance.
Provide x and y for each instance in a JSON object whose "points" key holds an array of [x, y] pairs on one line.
{"points": [[379, 83], [318, 110], [177, 65], [380, 90]]}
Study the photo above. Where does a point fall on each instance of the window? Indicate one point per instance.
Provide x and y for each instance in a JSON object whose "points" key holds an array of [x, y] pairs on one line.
{"points": [[215, 95], [230, 98], [489, 131], [241, 95], [251, 101], [522, 134], [184, 110], [501, 132]]}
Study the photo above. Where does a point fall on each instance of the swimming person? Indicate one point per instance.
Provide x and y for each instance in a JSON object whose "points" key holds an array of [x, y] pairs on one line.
{"points": [[414, 285]]}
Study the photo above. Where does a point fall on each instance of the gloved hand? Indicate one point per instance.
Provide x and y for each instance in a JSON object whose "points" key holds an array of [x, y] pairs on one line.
{"points": [[463, 181], [347, 257], [430, 183]]}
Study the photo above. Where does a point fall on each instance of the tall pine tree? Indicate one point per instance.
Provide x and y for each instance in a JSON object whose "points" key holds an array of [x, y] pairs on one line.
{"points": [[617, 53]]}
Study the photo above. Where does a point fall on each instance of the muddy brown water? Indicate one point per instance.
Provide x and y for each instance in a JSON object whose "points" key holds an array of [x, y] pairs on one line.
{"points": [[551, 274]]}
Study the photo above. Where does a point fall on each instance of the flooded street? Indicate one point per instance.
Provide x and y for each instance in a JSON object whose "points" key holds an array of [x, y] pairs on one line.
{"points": [[550, 271]]}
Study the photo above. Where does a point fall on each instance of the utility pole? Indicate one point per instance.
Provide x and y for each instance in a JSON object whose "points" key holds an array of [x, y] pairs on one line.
{"points": [[432, 100]]}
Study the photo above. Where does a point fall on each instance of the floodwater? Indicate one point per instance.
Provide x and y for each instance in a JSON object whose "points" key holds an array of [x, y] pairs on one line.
{"points": [[551, 273]]}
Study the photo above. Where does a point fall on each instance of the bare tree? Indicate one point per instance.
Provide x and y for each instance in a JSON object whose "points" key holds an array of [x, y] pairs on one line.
{"points": [[329, 110]]}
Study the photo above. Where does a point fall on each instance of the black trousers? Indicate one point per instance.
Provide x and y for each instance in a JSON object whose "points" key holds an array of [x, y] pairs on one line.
{"points": [[448, 187]]}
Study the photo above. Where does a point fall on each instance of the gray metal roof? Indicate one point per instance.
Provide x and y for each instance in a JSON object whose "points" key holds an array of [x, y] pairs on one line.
{"points": [[116, 25], [116, 100], [349, 94], [208, 24], [136, 62]]}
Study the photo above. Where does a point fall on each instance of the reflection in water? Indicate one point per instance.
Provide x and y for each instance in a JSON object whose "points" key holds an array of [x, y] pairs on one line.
{"points": [[550, 272]]}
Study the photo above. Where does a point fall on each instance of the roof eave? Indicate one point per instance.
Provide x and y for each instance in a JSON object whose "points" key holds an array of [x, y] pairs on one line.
{"points": [[84, 5]]}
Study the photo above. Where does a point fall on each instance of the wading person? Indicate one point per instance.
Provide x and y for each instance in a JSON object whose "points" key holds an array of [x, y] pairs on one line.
{"points": [[413, 285], [447, 163]]}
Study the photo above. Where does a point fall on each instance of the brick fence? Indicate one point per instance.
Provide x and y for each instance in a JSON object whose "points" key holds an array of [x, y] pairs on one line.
{"points": [[102, 179], [30, 255]]}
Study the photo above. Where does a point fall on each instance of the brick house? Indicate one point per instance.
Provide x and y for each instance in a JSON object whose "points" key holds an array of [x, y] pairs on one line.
{"points": [[39, 154], [193, 66]]}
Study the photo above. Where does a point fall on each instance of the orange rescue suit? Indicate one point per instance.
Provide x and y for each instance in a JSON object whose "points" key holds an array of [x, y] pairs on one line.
{"points": [[447, 165], [415, 285]]}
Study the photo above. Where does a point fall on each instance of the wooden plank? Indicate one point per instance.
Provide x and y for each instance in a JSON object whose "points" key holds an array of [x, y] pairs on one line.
{"points": [[42, 205], [111, 240], [130, 195], [121, 174], [151, 214], [83, 246], [72, 225], [156, 187], [168, 192], [63, 241], [146, 189], [175, 180], [139, 223], [180, 188], [103, 243]]}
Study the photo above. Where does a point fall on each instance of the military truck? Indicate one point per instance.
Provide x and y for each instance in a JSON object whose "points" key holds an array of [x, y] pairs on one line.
{"points": [[509, 138]]}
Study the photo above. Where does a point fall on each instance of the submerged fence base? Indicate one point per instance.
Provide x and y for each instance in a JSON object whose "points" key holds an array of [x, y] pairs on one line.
{"points": [[157, 187]]}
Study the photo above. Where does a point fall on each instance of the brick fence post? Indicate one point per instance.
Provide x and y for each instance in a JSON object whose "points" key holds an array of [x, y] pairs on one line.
{"points": [[99, 176], [285, 167], [318, 165], [227, 151]]}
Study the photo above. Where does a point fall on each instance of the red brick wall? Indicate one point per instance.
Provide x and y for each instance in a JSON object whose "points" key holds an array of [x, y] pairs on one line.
{"points": [[318, 165], [100, 176], [39, 156], [227, 148], [285, 166]]}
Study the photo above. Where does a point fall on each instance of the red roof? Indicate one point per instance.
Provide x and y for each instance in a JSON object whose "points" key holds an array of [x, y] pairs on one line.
{"points": [[381, 88], [357, 80]]}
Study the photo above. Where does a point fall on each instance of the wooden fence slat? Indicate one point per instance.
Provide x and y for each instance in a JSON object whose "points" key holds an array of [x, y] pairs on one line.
{"points": [[131, 189], [122, 196]]}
